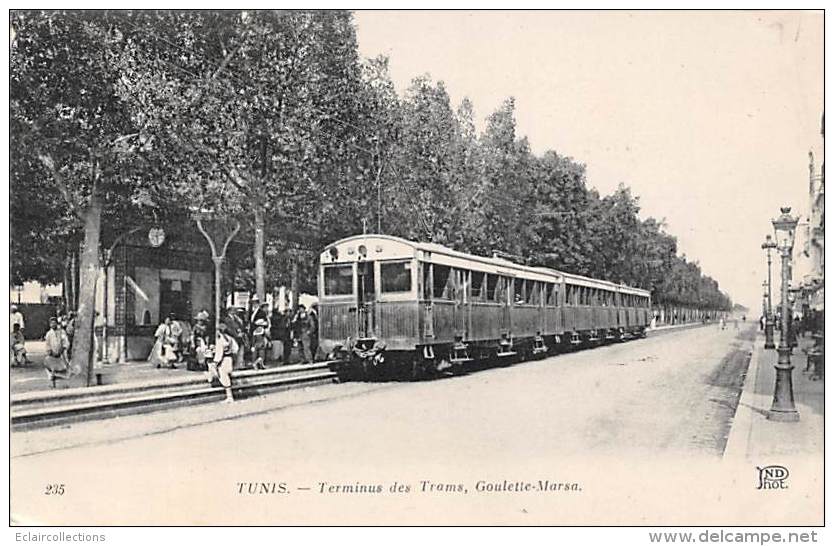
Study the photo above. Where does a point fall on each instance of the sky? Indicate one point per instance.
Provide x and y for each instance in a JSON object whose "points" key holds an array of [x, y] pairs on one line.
{"points": [[707, 116]]}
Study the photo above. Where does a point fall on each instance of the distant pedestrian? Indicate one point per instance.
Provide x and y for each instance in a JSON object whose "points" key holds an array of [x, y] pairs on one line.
{"points": [[301, 333], [56, 360], [69, 328], [225, 351], [199, 342], [17, 347], [282, 335], [260, 344], [164, 351], [16, 317], [761, 323], [276, 344], [258, 311], [236, 328], [722, 323], [313, 326]]}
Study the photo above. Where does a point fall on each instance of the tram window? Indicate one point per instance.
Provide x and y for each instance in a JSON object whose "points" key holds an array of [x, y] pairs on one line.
{"points": [[478, 285], [491, 286], [534, 294], [338, 280], [550, 294], [442, 278], [522, 289], [502, 289], [395, 277]]}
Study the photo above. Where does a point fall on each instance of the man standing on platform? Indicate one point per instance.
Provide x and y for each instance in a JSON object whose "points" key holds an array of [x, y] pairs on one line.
{"points": [[236, 329], [313, 327], [225, 351], [56, 360]]}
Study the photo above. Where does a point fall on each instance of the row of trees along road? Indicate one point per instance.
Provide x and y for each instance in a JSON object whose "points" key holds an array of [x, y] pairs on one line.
{"points": [[273, 119]]}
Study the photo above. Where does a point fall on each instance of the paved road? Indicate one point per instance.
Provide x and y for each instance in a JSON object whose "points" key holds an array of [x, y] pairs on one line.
{"points": [[608, 421]]}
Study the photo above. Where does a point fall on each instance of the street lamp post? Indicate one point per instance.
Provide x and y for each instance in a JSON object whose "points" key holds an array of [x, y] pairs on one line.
{"points": [[764, 306], [783, 408], [767, 246]]}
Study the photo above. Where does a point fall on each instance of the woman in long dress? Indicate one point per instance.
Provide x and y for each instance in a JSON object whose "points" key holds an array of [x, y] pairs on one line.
{"points": [[164, 352]]}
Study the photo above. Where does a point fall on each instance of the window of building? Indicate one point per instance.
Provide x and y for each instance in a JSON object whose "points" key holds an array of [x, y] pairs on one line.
{"points": [[395, 276], [338, 280]]}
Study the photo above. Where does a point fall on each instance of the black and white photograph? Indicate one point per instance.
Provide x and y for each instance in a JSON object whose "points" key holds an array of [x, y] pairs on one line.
{"points": [[338, 267]]}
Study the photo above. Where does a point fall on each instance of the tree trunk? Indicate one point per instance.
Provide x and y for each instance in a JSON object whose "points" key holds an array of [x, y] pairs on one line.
{"points": [[294, 283], [69, 298], [260, 270], [218, 291], [88, 274]]}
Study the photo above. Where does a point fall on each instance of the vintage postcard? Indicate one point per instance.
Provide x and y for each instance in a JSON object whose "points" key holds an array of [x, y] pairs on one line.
{"points": [[482, 268]]}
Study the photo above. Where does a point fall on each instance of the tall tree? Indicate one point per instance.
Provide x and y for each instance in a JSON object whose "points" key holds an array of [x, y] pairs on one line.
{"points": [[67, 118]]}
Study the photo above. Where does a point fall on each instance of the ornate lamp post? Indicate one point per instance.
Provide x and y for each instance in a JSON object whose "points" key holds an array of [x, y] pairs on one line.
{"points": [[783, 408], [767, 246], [764, 305]]}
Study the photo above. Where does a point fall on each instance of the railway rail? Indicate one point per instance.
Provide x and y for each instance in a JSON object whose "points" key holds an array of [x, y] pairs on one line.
{"points": [[41, 409]]}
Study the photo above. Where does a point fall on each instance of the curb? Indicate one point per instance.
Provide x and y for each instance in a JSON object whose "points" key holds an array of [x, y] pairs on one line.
{"points": [[677, 327], [741, 427], [42, 409]]}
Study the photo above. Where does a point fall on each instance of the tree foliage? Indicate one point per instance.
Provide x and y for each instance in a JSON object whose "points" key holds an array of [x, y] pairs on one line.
{"points": [[271, 117]]}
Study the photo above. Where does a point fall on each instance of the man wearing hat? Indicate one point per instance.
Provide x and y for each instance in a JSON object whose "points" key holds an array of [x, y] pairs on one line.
{"points": [[236, 329], [200, 339], [15, 317], [260, 342], [257, 311]]}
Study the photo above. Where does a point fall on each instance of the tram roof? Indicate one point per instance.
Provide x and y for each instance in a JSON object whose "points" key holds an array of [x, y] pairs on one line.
{"points": [[496, 261]]}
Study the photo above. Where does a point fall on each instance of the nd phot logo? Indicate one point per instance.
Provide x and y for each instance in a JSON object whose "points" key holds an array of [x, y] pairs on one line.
{"points": [[773, 477]]}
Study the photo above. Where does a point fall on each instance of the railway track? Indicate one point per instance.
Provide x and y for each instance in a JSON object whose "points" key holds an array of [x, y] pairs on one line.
{"points": [[43, 409]]}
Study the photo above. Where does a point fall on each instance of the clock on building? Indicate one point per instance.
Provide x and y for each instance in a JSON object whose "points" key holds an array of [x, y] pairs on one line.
{"points": [[156, 236]]}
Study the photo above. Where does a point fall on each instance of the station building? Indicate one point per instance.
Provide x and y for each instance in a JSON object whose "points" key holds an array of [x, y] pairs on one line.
{"points": [[150, 274]]}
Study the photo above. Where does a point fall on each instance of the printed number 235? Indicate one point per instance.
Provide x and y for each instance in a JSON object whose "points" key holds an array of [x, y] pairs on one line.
{"points": [[54, 489]]}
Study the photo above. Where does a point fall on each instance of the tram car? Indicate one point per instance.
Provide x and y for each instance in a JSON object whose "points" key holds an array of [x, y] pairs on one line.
{"points": [[389, 307]]}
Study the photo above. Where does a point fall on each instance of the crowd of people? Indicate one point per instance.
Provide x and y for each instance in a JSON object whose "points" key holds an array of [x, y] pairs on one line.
{"points": [[260, 335], [245, 338], [58, 339], [58, 343]]}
